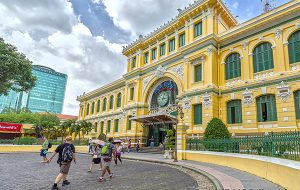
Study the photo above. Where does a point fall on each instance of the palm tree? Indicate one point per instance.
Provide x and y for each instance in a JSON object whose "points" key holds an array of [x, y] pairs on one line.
{"points": [[86, 127], [67, 126]]}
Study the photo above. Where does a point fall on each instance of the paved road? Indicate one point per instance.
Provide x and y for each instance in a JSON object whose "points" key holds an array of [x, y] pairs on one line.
{"points": [[22, 171]]}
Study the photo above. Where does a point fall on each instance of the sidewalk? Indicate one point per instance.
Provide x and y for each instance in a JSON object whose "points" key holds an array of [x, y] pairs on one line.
{"points": [[228, 178]]}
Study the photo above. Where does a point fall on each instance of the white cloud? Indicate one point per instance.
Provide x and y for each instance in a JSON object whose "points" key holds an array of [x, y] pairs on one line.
{"points": [[138, 16], [63, 43], [235, 5]]}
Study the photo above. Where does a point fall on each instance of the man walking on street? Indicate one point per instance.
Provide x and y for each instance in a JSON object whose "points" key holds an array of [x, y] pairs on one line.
{"points": [[66, 153], [107, 152]]}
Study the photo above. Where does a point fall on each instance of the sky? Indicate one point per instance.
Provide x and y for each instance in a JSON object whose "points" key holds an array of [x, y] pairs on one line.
{"points": [[84, 38]]}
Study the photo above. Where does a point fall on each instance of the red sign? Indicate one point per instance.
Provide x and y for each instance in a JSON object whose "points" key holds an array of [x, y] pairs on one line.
{"points": [[10, 127]]}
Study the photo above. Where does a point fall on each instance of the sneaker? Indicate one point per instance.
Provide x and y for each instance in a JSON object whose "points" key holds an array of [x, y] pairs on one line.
{"points": [[111, 176], [65, 183], [101, 179], [54, 188]]}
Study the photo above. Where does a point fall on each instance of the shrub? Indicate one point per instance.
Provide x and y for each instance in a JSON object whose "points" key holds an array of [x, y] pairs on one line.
{"points": [[216, 129], [171, 140], [102, 137], [25, 141]]}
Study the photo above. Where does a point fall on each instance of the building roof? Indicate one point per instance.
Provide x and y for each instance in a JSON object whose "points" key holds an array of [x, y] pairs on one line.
{"points": [[65, 117]]}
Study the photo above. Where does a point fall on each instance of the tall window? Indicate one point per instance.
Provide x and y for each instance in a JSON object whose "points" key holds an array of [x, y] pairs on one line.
{"points": [[146, 58], [266, 108], [129, 123], [234, 112], [297, 103], [294, 47], [133, 63], [172, 45], [198, 73], [111, 102], [88, 109], [93, 107], [108, 126], [104, 105], [162, 49], [263, 57], [96, 127], [197, 114], [198, 29], [98, 106], [81, 111], [154, 53], [233, 66], [116, 125], [181, 40], [102, 127], [119, 100], [131, 94]]}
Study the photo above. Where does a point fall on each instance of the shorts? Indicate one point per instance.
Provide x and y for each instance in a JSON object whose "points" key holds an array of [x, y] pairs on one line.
{"points": [[96, 160], [106, 162], [65, 167], [44, 152]]}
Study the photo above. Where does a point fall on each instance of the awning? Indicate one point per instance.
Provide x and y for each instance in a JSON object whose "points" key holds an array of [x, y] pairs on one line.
{"points": [[158, 118]]}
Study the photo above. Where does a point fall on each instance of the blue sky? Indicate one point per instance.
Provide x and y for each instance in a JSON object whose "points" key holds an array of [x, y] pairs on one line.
{"points": [[84, 38]]}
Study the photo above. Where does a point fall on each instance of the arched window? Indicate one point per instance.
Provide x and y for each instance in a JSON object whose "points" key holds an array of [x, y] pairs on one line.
{"points": [[88, 109], [233, 66], [93, 107], [294, 47], [102, 126], [234, 112], [96, 127], [263, 57], [266, 108], [119, 100], [98, 106], [108, 126], [297, 103], [116, 125], [104, 105], [111, 102]]}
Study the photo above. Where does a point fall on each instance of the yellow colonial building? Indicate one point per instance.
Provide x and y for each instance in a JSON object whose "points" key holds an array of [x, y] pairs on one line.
{"points": [[247, 74]]}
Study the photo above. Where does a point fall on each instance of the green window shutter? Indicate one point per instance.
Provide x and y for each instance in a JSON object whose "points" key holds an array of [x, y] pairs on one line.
{"points": [[108, 126], [271, 112], [182, 40], [129, 123], [88, 109], [172, 45], [116, 125], [297, 103], [146, 58], [263, 57], [119, 100], [197, 114], [104, 105], [98, 106], [102, 127], [162, 49], [154, 54], [294, 47], [93, 107], [111, 102], [236, 116], [198, 73], [233, 66], [133, 63], [131, 93], [198, 29]]}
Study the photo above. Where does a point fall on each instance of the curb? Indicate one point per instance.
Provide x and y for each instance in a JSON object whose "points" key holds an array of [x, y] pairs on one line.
{"points": [[214, 180]]}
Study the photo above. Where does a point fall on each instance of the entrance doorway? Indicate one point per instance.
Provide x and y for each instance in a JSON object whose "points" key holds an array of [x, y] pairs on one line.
{"points": [[159, 132]]}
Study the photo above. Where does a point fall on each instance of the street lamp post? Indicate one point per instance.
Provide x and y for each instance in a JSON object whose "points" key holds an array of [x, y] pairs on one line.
{"points": [[179, 109]]}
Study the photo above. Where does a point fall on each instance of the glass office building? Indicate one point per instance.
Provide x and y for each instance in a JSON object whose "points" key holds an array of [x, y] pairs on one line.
{"points": [[47, 95]]}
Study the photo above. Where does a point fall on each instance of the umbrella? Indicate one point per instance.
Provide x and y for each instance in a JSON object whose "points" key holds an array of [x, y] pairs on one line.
{"points": [[96, 141], [117, 141]]}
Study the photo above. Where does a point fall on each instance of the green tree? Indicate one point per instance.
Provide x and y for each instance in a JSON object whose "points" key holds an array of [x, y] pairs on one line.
{"points": [[171, 140], [102, 137], [48, 122], [216, 129], [16, 70], [66, 127], [86, 127]]}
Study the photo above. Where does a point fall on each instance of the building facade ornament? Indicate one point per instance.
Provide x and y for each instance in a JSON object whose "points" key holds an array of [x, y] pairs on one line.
{"points": [[245, 45], [187, 103], [283, 91], [206, 100], [278, 33], [209, 51], [178, 70], [248, 97], [160, 71], [146, 82]]}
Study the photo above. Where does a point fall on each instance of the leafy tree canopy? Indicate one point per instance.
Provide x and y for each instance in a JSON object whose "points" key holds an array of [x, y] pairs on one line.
{"points": [[216, 129], [16, 70]]}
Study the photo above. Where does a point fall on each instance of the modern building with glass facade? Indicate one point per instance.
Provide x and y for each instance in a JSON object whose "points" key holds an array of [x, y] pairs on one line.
{"points": [[247, 74], [47, 95]]}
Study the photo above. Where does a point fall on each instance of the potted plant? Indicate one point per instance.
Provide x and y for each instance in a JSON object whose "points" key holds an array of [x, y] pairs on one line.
{"points": [[170, 145]]}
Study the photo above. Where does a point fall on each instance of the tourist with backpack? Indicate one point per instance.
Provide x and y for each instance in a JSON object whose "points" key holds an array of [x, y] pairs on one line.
{"points": [[107, 152], [44, 150], [66, 154]]}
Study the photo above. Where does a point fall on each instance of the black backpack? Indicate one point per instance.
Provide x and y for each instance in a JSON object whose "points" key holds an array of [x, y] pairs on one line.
{"points": [[67, 154], [49, 145]]}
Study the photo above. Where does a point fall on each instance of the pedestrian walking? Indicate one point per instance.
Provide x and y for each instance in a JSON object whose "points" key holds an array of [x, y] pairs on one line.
{"points": [[118, 154], [90, 146], [96, 158], [44, 149], [108, 151], [129, 146], [123, 147], [151, 142], [137, 147], [66, 154]]}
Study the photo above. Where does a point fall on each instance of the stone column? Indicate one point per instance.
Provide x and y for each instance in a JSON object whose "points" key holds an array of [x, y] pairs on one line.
{"points": [[181, 140]]}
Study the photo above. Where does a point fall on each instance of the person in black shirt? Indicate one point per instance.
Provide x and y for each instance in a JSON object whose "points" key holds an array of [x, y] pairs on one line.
{"points": [[66, 154]]}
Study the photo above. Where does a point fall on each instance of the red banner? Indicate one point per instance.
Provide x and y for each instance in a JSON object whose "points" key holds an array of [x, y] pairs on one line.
{"points": [[10, 127]]}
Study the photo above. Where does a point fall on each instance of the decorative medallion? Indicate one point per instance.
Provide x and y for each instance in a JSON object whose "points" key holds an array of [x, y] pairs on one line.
{"points": [[283, 91], [248, 97], [178, 69], [206, 100], [160, 71], [245, 45], [186, 103], [278, 33], [124, 113]]}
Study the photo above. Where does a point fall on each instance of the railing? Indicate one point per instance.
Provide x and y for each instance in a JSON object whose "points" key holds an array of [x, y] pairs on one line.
{"points": [[285, 145]]}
